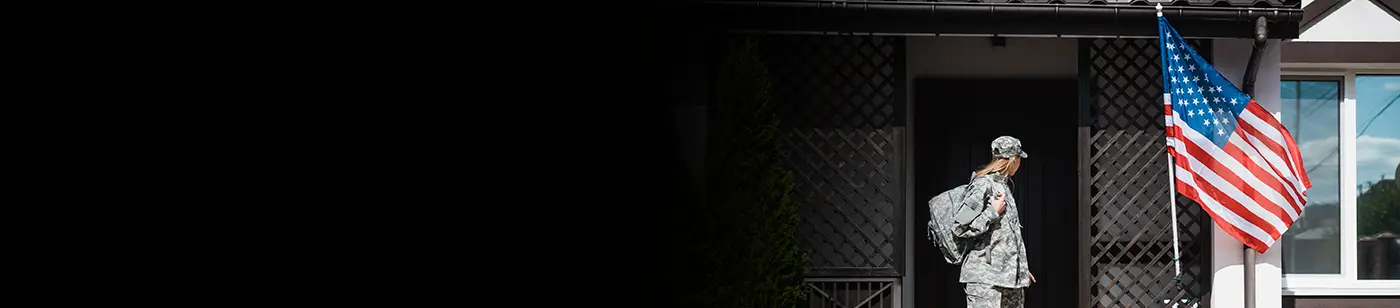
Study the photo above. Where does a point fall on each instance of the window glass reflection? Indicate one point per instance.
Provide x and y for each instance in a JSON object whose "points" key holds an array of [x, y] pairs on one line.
{"points": [[1377, 162], [1312, 245]]}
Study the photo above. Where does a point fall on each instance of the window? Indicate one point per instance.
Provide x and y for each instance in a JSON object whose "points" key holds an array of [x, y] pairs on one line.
{"points": [[1347, 126], [1377, 162], [1310, 110]]}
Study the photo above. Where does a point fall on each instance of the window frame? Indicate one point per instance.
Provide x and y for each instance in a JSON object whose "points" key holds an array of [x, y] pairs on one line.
{"points": [[1346, 283]]}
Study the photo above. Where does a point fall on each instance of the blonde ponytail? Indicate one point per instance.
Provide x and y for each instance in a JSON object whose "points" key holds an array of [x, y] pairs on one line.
{"points": [[1004, 166]]}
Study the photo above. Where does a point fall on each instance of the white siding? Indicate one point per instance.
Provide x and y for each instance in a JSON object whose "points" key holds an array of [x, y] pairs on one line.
{"points": [[1355, 21]]}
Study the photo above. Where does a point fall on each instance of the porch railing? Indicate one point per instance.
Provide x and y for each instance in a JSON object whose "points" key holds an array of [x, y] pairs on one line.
{"points": [[853, 292]]}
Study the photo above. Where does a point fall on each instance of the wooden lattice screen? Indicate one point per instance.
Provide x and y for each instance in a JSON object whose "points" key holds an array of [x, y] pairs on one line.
{"points": [[842, 107], [1129, 251]]}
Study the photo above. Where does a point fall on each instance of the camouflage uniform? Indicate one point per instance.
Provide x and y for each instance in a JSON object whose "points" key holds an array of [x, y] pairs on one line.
{"points": [[995, 269], [981, 295]]}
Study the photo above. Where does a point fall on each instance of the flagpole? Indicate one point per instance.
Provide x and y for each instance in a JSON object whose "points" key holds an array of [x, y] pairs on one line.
{"points": [[1171, 176], [1171, 182]]}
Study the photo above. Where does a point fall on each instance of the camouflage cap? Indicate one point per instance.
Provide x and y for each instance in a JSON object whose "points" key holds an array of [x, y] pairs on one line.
{"points": [[1007, 147]]}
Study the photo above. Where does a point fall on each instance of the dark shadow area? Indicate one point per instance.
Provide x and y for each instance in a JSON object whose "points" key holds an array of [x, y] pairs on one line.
{"points": [[645, 225]]}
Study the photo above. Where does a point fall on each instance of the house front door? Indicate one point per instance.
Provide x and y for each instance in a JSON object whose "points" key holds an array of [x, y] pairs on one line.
{"points": [[955, 121]]}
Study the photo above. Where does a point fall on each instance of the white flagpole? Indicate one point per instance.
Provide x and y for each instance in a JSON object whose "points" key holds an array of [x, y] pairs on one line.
{"points": [[1171, 193], [1171, 183]]}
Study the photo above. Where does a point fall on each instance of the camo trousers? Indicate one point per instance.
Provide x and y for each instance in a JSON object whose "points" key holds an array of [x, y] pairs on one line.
{"points": [[981, 295]]}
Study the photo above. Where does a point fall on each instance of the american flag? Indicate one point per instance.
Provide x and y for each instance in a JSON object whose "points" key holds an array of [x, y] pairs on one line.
{"points": [[1230, 154]]}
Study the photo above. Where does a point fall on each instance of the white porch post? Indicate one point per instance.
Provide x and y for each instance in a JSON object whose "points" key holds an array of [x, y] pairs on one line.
{"points": [[1231, 58]]}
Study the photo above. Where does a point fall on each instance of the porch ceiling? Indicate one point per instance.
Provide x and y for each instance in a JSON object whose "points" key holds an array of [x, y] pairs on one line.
{"points": [[1193, 18]]}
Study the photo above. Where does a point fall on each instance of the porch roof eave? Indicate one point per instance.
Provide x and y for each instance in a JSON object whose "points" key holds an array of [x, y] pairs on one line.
{"points": [[1035, 19]]}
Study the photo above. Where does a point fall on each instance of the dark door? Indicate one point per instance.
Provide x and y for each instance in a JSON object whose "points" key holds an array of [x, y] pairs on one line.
{"points": [[955, 121]]}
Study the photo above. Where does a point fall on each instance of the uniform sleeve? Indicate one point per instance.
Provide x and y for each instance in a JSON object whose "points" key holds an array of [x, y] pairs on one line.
{"points": [[975, 215]]}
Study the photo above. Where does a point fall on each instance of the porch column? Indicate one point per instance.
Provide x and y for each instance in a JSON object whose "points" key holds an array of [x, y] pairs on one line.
{"points": [[1227, 288]]}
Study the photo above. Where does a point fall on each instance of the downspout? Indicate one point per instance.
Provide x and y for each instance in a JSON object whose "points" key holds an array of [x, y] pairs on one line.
{"points": [[1248, 277], [1260, 40]]}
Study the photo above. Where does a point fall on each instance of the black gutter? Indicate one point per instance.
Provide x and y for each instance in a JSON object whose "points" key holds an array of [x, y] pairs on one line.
{"points": [[993, 18], [1260, 40]]}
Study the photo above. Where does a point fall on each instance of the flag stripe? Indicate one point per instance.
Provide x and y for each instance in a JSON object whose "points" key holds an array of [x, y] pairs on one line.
{"points": [[1260, 118], [1257, 178], [1220, 186], [1266, 125], [1252, 125], [1241, 158], [1227, 220], [1272, 153], [1275, 184], [1224, 167], [1295, 157]]}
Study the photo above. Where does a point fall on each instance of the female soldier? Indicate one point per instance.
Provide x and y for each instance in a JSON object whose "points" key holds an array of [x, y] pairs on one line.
{"points": [[995, 269]]}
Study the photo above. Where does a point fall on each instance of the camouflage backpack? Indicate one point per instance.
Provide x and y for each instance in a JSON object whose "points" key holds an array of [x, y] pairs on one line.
{"points": [[942, 210]]}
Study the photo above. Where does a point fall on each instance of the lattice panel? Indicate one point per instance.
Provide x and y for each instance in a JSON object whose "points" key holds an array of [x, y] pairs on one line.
{"points": [[852, 294], [842, 108], [1130, 252], [837, 81]]}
